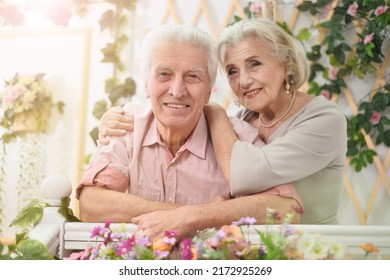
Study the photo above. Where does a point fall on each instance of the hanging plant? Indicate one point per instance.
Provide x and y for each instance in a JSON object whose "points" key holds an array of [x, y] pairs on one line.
{"points": [[26, 104]]}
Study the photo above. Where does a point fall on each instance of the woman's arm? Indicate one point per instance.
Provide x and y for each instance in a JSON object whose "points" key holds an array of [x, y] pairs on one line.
{"points": [[222, 134]]}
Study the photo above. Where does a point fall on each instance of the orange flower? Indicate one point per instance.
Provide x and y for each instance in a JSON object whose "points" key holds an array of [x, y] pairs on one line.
{"points": [[369, 248], [162, 245], [194, 253], [231, 233]]}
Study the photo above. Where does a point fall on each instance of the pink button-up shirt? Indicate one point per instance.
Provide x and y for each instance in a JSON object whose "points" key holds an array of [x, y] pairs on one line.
{"points": [[140, 163]]}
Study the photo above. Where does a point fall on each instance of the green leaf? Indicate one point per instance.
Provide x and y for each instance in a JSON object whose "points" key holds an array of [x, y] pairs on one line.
{"points": [[66, 211], [99, 109], [387, 138], [94, 134], [107, 20], [303, 34], [29, 215], [368, 48], [60, 107], [33, 250], [87, 158]]}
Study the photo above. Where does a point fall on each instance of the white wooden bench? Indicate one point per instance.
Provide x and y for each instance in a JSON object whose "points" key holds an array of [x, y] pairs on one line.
{"points": [[63, 237]]}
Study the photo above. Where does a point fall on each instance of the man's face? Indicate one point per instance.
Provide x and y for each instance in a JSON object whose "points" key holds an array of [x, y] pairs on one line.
{"points": [[178, 84]]}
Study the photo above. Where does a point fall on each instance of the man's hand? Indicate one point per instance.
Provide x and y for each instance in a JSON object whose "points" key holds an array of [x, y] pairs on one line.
{"points": [[158, 222]]}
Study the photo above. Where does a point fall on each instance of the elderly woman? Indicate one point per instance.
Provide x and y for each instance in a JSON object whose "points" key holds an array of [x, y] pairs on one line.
{"points": [[305, 136]]}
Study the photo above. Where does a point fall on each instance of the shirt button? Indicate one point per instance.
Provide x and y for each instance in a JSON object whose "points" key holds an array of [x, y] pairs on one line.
{"points": [[170, 199], [170, 167]]}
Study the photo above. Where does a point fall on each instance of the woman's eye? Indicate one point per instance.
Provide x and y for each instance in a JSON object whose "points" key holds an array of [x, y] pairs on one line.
{"points": [[231, 71]]}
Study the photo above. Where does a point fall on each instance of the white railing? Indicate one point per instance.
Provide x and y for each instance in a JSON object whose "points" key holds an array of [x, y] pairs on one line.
{"points": [[63, 237], [78, 236]]}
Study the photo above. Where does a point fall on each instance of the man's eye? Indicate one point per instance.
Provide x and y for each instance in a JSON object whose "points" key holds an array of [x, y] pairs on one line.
{"points": [[255, 63], [163, 76], [193, 77]]}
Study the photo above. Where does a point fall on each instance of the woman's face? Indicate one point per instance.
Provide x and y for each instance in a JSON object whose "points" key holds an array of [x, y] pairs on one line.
{"points": [[256, 78]]}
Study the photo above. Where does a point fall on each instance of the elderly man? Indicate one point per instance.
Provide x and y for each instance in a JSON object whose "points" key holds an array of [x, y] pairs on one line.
{"points": [[164, 175]]}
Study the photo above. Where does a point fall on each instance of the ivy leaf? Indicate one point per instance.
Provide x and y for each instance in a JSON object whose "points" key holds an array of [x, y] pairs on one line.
{"points": [[30, 215], [353, 151], [368, 48], [99, 109], [94, 134], [386, 139], [66, 211], [304, 34], [127, 89], [107, 20], [31, 249]]}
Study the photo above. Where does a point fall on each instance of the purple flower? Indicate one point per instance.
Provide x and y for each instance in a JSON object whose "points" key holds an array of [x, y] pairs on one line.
{"points": [[160, 254], [144, 241], [245, 221]]}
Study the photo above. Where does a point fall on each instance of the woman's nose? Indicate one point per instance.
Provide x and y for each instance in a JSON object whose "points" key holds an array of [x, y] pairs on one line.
{"points": [[246, 80]]}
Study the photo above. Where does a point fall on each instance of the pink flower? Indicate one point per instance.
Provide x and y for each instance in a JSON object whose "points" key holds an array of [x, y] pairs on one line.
{"points": [[375, 117], [368, 38], [11, 15], [352, 9], [325, 93], [254, 8], [332, 75], [380, 10], [125, 246], [185, 249], [326, 10]]}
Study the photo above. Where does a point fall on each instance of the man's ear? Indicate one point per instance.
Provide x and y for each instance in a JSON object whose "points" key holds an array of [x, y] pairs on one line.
{"points": [[207, 100], [147, 90]]}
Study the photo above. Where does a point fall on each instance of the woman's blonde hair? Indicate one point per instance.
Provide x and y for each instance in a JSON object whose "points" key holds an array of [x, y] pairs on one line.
{"points": [[277, 42]]}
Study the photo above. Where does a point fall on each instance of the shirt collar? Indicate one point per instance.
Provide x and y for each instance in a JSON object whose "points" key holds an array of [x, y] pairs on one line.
{"points": [[196, 143]]}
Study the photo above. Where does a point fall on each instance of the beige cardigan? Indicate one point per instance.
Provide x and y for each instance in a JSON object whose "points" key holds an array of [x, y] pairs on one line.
{"points": [[308, 149]]}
